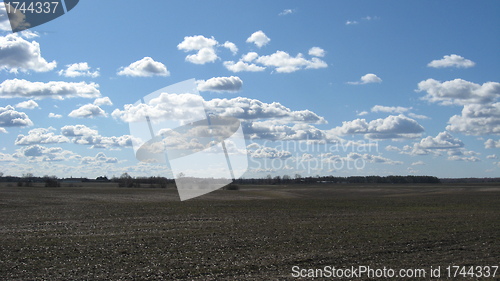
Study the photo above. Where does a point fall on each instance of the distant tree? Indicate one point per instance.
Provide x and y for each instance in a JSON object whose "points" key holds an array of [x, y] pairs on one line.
{"points": [[125, 181]]}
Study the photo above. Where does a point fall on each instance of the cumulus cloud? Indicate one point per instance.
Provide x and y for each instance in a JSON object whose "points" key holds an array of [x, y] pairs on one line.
{"points": [[98, 141], [257, 151], [252, 109], [79, 69], [459, 92], [17, 54], [317, 52], [99, 159], [203, 56], [145, 67], [44, 154], [284, 63], [9, 117], [390, 109], [367, 79], [490, 143], [221, 84], [84, 135], [452, 61], [231, 46], [19, 88], [103, 101], [195, 43], [204, 46], [259, 38], [40, 136], [355, 156], [77, 131], [391, 127], [30, 104], [165, 107], [443, 140], [242, 66], [477, 119], [88, 111], [53, 115], [272, 130]]}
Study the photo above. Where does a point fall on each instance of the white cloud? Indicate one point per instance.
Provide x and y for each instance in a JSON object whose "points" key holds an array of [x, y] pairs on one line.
{"points": [[257, 151], [204, 46], [231, 46], [391, 127], [53, 115], [351, 22], [317, 52], [145, 67], [17, 54], [88, 111], [30, 104], [242, 66], [286, 12], [166, 106], [221, 84], [418, 163], [7, 158], [276, 130], [103, 101], [97, 141], [203, 56], [392, 148], [4, 19], [252, 109], [77, 131], [492, 156], [259, 38], [99, 159], [452, 61], [285, 63], [44, 154], [196, 43], [367, 79], [57, 90], [40, 136], [79, 69], [490, 143], [84, 135], [418, 116], [3, 131], [390, 109], [477, 119], [464, 158], [249, 57], [9, 117], [459, 92], [362, 113], [443, 140]]}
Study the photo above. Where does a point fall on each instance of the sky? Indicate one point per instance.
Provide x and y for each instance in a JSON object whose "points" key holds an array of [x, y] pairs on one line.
{"points": [[342, 88]]}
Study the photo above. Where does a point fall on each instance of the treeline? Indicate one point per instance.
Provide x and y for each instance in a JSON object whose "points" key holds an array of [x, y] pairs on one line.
{"points": [[125, 180], [339, 180]]}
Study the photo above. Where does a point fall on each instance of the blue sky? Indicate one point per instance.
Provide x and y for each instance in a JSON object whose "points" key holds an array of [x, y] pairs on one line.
{"points": [[336, 87]]}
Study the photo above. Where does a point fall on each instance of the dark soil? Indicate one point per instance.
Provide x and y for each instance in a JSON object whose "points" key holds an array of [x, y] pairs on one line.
{"points": [[254, 233]]}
